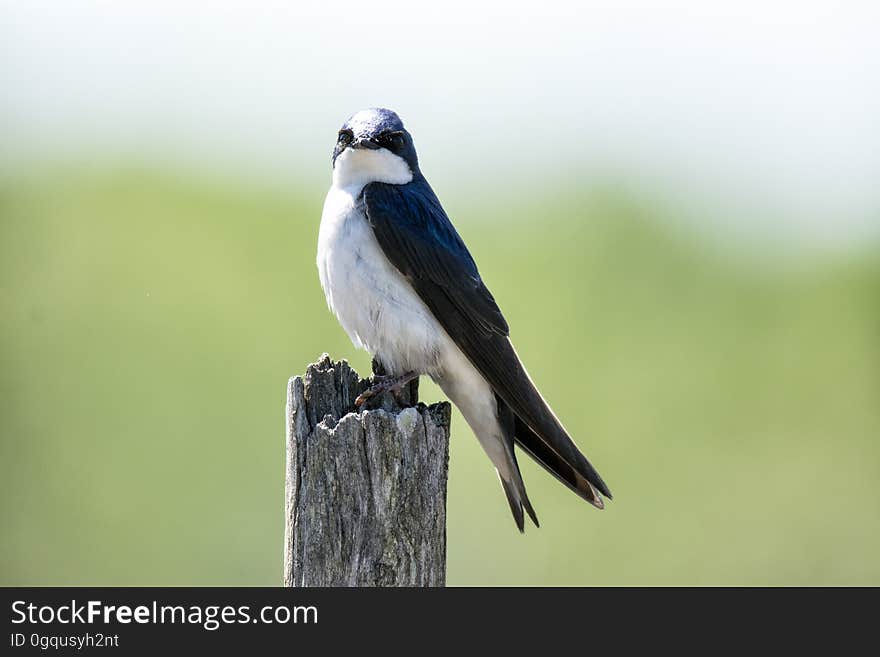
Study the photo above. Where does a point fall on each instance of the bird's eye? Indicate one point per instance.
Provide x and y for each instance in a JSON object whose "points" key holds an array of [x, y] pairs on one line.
{"points": [[345, 137], [391, 140]]}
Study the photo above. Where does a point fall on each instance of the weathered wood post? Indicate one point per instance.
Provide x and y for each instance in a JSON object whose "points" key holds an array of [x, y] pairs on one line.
{"points": [[365, 499]]}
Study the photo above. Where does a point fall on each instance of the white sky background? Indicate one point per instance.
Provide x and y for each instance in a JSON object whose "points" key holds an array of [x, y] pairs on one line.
{"points": [[760, 114]]}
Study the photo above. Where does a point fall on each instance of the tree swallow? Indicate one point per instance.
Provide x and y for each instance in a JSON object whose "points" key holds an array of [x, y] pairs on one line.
{"points": [[405, 288]]}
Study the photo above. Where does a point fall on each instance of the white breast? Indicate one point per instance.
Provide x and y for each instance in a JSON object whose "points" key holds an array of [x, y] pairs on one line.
{"points": [[375, 304]]}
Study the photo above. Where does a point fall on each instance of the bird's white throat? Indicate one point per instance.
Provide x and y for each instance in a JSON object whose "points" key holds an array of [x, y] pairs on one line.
{"points": [[357, 167]]}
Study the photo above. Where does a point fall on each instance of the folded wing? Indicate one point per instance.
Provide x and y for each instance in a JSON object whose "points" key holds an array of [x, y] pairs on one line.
{"points": [[418, 238]]}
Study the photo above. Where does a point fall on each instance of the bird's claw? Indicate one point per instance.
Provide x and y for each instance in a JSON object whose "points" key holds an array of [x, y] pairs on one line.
{"points": [[392, 384]]}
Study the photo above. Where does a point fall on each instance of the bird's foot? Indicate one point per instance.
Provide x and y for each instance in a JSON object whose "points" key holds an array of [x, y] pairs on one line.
{"points": [[383, 384]]}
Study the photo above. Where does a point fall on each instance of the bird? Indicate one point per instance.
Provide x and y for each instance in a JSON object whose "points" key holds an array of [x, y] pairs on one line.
{"points": [[405, 288]]}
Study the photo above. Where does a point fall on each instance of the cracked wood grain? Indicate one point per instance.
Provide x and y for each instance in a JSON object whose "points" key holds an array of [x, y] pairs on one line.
{"points": [[365, 499]]}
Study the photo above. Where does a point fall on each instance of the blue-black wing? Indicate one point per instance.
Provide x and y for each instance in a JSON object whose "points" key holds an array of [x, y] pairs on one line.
{"points": [[416, 235], [420, 241]]}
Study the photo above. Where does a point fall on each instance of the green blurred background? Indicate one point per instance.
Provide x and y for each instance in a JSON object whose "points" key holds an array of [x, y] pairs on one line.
{"points": [[157, 292]]}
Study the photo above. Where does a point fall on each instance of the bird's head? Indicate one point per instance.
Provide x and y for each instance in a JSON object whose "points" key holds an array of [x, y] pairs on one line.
{"points": [[373, 146]]}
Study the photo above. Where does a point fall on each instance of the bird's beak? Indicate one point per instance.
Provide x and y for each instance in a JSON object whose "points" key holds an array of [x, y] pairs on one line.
{"points": [[365, 142]]}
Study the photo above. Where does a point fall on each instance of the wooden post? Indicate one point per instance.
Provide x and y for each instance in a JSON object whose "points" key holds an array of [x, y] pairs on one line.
{"points": [[365, 499]]}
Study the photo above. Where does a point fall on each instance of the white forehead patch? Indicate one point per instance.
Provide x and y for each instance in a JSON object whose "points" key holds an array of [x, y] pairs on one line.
{"points": [[357, 167]]}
